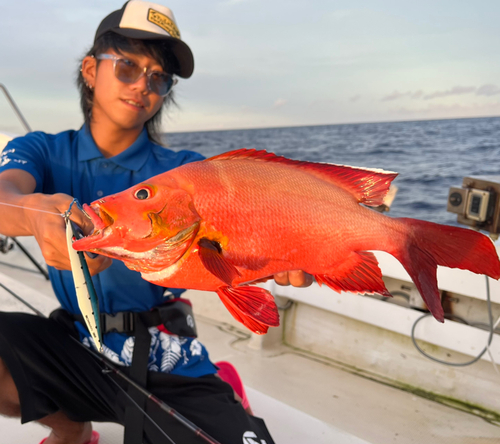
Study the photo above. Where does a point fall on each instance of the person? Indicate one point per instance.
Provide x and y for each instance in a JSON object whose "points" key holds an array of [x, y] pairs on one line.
{"points": [[125, 81]]}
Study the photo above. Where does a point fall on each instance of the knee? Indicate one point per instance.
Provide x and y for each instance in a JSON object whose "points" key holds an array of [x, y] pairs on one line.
{"points": [[9, 397]]}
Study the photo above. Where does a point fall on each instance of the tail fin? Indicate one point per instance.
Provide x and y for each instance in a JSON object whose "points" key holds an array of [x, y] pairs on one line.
{"points": [[429, 245]]}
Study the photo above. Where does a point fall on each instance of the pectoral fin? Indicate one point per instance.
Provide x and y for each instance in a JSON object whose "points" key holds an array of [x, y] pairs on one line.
{"points": [[214, 261], [254, 307]]}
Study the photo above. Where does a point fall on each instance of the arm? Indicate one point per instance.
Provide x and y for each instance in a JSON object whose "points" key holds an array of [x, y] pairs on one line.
{"points": [[16, 188]]}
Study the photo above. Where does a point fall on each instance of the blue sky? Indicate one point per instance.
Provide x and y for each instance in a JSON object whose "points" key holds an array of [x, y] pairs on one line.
{"points": [[265, 63]]}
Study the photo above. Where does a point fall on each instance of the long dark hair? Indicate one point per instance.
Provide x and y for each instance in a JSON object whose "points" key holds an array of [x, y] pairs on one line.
{"points": [[157, 49]]}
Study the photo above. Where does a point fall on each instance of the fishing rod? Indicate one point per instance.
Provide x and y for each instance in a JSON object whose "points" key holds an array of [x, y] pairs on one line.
{"points": [[111, 368], [163, 406]]}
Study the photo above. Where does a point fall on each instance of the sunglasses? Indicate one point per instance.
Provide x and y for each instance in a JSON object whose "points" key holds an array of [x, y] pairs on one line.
{"points": [[127, 71]]}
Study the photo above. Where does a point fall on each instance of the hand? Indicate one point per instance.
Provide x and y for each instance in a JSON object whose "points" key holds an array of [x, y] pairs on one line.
{"points": [[50, 230], [297, 278]]}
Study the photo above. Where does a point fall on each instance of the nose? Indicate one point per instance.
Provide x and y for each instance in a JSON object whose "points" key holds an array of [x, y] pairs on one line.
{"points": [[141, 84]]}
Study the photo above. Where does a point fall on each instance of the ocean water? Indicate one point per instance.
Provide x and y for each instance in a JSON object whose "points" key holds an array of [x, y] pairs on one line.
{"points": [[430, 156]]}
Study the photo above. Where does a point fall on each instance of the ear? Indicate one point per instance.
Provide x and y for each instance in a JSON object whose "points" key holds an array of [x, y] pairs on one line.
{"points": [[89, 70]]}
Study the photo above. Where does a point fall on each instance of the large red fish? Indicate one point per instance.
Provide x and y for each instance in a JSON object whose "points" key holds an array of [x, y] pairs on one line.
{"points": [[226, 222]]}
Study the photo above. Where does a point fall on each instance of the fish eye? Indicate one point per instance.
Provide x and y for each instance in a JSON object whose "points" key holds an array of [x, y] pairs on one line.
{"points": [[142, 193]]}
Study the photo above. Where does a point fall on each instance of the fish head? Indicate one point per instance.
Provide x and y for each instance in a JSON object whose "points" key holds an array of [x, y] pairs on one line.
{"points": [[149, 225]]}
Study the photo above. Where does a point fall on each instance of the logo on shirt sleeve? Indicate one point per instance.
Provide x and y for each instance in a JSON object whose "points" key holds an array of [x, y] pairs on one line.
{"points": [[5, 159]]}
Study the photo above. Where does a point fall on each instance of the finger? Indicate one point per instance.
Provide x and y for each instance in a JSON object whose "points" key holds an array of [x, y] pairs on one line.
{"points": [[63, 202], [282, 278], [86, 225], [98, 264], [82, 221], [299, 278]]}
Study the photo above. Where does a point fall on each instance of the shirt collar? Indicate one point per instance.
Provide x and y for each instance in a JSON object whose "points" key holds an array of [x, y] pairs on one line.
{"points": [[133, 158]]}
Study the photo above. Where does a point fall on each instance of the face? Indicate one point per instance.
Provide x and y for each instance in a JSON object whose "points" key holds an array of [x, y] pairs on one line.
{"points": [[126, 106]]}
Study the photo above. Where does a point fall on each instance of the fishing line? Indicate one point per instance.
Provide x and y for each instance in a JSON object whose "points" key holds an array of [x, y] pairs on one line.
{"points": [[161, 404], [491, 326], [107, 371], [31, 209], [65, 214], [111, 368]]}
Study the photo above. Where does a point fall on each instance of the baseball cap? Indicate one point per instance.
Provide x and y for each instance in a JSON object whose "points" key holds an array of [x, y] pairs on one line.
{"points": [[150, 21]]}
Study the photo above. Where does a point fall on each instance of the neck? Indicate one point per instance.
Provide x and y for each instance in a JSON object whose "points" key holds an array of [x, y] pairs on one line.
{"points": [[112, 140]]}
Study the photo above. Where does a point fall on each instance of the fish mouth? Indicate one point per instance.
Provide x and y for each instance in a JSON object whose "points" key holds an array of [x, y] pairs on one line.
{"points": [[101, 220], [99, 217]]}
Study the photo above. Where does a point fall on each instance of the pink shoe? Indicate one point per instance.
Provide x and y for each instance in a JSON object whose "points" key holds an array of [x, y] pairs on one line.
{"points": [[93, 440], [228, 373]]}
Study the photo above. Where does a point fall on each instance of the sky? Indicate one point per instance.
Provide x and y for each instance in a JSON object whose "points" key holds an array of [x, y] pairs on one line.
{"points": [[272, 63]]}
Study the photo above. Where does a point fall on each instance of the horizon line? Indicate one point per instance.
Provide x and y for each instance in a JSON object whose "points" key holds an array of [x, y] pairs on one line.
{"points": [[330, 124]]}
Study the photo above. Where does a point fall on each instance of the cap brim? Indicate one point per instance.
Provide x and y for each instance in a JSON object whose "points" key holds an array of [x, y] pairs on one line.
{"points": [[181, 51]]}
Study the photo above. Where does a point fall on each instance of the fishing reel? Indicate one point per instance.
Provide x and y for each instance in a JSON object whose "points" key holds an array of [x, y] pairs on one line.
{"points": [[477, 203]]}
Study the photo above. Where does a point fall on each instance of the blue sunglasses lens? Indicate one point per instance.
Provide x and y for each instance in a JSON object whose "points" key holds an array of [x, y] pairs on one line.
{"points": [[160, 83], [128, 72]]}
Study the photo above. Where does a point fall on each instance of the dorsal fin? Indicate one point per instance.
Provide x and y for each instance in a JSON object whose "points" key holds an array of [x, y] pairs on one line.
{"points": [[368, 186]]}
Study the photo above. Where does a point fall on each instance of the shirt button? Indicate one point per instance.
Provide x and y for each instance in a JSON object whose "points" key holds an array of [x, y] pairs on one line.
{"points": [[100, 193], [105, 165]]}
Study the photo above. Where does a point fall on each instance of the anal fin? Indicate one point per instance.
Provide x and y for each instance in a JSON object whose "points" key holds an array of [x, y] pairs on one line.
{"points": [[254, 307], [360, 273]]}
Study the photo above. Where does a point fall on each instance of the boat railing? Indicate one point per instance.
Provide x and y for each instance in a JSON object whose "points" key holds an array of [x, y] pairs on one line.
{"points": [[16, 109], [5, 245]]}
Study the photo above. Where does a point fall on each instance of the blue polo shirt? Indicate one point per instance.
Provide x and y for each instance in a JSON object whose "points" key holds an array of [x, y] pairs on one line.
{"points": [[71, 163]]}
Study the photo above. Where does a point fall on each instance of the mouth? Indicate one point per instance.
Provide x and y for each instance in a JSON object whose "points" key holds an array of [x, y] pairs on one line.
{"points": [[102, 221], [99, 217], [133, 103]]}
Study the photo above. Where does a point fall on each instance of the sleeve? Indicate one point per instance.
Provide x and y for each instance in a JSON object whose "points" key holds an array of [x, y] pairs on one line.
{"points": [[28, 153]]}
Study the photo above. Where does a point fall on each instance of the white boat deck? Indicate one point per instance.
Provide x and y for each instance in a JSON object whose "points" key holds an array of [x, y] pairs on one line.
{"points": [[304, 398]]}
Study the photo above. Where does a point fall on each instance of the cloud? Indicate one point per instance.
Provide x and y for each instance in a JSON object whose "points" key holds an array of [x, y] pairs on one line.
{"points": [[397, 95], [394, 96], [451, 111], [488, 90], [355, 98], [484, 90], [279, 103], [455, 91]]}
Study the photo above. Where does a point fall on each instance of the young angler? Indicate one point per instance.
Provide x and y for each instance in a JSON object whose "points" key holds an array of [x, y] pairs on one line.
{"points": [[126, 79]]}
